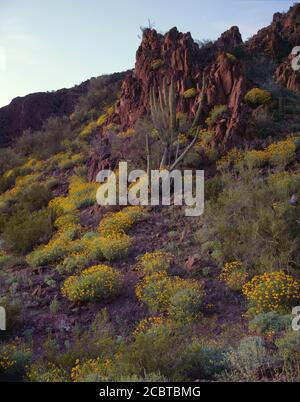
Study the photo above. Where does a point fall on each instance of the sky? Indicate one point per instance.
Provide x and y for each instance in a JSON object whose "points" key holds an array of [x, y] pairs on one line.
{"points": [[51, 44]]}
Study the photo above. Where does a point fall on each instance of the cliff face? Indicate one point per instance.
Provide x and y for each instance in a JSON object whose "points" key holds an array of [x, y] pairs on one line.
{"points": [[176, 56], [31, 111]]}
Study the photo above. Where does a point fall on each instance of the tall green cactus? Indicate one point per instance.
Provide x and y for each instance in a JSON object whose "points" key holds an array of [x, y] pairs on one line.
{"points": [[163, 113]]}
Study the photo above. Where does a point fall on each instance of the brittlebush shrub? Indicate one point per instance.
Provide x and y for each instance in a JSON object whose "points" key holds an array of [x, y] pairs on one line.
{"points": [[258, 96], [120, 222], [46, 372], [92, 370], [115, 247], [23, 231], [180, 298], [234, 275], [96, 283], [14, 357], [190, 93], [274, 291], [157, 261]]}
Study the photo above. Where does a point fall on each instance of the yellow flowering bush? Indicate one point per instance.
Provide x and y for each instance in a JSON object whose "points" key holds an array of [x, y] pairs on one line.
{"points": [[156, 64], [258, 96], [46, 372], [148, 323], [190, 93], [92, 370], [180, 298], [88, 129], [97, 282], [274, 291], [51, 253], [282, 153], [115, 246], [234, 275], [157, 261], [117, 223], [13, 357]]}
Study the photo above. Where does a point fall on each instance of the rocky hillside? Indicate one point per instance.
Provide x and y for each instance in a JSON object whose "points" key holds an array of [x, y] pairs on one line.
{"points": [[145, 293]]}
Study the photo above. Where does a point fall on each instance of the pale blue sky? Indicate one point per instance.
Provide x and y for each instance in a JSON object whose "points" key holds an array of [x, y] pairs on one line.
{"points": [[51, 44]]}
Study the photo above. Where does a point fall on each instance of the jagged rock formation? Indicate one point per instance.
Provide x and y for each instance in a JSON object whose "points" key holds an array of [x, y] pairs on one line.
{"points": [[176, 56]]}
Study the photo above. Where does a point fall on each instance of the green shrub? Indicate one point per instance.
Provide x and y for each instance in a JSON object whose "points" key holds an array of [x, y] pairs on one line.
{"points": [[215, 113], [157, 349], [157, 261], [288, 348], [203, 361], [98, 282], [258, 96], [24, 231], [14, 357], [46, 372], [270, 322], [250, 356], [190, 93], [181, 298], [34, 197], [115, 247]]}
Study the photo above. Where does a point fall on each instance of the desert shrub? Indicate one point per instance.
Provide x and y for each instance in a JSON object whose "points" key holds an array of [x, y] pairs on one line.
{"points": [[252, 222], [73, 263], [203, 361], [181, 298], [247, 359], [157, 349], [274, 291], [213, 187], [255, 159], [99, 341], [120, 222], [4, 258], [23, 231], [98, 282], [92, 370], [282, 153], [50, 253], [216, 111], [71, 161], [46, 372], [34, 197], [157, 261], [116, 246], [289, 351], [265, 323], [147, 377], [258, 96], [234, 275], [88, 129], [190, 93], [14, 357], [46, 142]]}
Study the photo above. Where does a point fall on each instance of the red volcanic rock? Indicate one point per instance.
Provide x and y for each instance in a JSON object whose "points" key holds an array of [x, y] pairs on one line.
{"points": [[176, 56], [279, 38], [31, 111], [287, 76]]}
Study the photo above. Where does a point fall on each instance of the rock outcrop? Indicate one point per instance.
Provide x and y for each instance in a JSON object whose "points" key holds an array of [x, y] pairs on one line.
{"points": [[31, 111]]}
